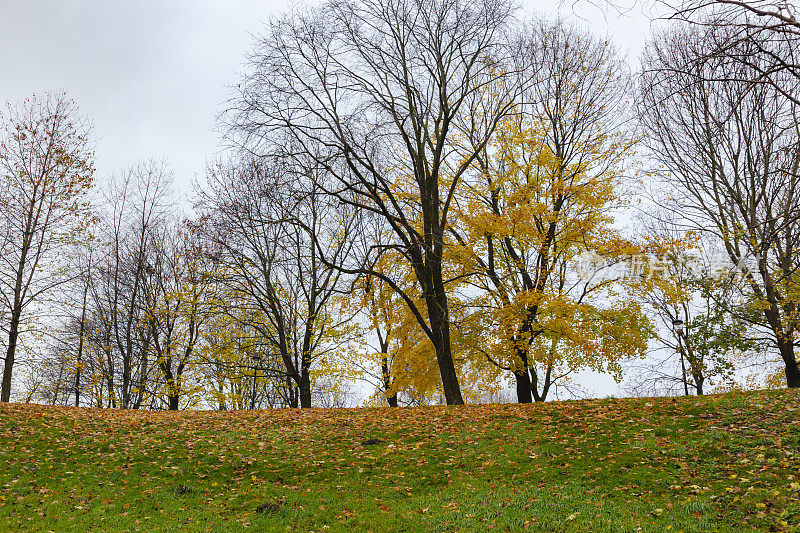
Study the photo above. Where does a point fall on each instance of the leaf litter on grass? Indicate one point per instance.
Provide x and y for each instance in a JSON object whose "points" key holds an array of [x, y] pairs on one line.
{"points": [[726, 463]]}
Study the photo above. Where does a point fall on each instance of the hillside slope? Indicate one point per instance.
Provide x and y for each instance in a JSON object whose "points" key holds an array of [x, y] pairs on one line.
{"points": [[726, 463]]}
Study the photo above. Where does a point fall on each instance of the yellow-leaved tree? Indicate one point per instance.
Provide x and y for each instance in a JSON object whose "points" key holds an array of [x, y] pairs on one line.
{"points": [[239, 369], [542, 197], [400, 358], [397, 357]]}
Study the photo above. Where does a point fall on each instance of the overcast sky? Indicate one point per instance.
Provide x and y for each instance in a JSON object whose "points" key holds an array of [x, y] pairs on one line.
{"points": [[153, 74]]}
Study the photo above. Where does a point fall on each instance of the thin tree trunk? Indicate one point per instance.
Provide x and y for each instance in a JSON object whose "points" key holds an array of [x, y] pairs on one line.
{"points": [[8, 367], [126, 380], [13, 333], [81, 332], [548, 381], [683, 376], [292, 391], [112, 398], [391, 400]]}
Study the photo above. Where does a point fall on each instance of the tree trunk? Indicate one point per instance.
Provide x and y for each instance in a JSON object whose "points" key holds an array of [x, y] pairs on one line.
{"points": [[112, 398], [126, 380], [291, 392], [8, 367], [305, 390], [173, 391], [792, 376], [392, 400], [523, 380], [785, 348], [386, 375], [683, 376], [438, 315], [447, 371], [792, 370], [81, 332], [78, 380], [699, 379], [173, 399], [541, 397]]}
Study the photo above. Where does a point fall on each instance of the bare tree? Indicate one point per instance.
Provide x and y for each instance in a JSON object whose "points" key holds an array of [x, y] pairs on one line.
{"points": [[178, 294], [68, 345], [776, 14], [137, 202], [46, 173], [761, 37], [730, 153], [380, 93], [270, 227]]}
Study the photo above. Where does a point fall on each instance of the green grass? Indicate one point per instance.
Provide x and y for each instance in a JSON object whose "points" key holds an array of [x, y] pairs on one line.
{"points": [[719, 463]]}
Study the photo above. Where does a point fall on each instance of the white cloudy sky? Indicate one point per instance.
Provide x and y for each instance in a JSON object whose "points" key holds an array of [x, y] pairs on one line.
{"points": [[153, 74]]}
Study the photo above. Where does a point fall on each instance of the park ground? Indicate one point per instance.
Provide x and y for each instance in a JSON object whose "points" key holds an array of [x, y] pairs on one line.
{"points": [[717, 463]]}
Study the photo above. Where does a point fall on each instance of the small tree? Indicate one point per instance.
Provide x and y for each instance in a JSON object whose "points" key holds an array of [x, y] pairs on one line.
{"points": [[679, 285], [179, 295], [269, 228], [137, 204]]}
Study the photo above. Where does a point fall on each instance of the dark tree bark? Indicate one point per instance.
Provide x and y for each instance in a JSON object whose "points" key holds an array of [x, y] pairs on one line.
{"points": [[82, 332], [523, 386], [376, 92], [8, 367]]}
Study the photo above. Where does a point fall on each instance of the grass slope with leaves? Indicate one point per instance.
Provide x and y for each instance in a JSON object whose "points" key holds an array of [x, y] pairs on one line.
{"points": [[726, 463]]}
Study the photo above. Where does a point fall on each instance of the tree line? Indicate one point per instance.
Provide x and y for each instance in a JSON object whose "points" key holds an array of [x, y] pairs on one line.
{"points": [[433, 197]]}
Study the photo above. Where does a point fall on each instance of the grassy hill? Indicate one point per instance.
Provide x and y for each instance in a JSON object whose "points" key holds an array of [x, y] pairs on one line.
{"points": [[726, 463]]}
